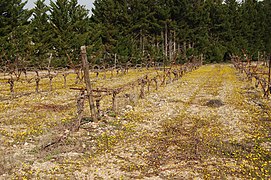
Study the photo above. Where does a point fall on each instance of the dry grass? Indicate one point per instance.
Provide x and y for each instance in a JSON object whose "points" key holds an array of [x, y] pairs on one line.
{"points": [[177, 132]]}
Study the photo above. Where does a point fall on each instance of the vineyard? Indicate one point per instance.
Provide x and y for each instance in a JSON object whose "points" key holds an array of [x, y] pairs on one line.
{"points": [[161, 122], [151, 78], [113, 89]]}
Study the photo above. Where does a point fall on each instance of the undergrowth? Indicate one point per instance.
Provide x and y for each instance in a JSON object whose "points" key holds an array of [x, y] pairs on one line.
{"points": [[172, 133]]}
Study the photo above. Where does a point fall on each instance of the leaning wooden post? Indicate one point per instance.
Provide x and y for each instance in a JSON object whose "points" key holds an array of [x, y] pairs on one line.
{"points": [[87, 82]]}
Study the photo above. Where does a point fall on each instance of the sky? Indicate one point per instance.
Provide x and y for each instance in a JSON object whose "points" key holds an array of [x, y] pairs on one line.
{"points": [[87, 3]]}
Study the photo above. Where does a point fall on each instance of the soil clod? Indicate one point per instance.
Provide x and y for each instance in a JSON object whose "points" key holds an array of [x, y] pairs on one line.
{"points": [[215, 103]]}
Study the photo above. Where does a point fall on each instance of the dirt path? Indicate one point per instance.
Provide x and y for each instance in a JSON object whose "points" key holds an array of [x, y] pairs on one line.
{"points": [[211, 124], [203, 126]]}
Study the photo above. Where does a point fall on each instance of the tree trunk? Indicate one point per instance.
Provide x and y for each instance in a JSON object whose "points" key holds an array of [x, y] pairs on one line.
{"points": [[166, 41], [115, 60], [142, 47], [170, 47], [157, 44], [174, 42], [184, 51], [163, 44]]}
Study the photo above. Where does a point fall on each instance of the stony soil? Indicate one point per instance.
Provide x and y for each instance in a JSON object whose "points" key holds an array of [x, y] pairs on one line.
{"points": [[210, 124]]}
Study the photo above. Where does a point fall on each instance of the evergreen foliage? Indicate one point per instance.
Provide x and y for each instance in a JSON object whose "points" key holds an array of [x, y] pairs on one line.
{"points": [[14, 32], [135, 30]]}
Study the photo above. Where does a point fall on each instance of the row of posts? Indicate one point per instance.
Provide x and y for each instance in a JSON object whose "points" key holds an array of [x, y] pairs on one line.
{"points": [[95, 111]]}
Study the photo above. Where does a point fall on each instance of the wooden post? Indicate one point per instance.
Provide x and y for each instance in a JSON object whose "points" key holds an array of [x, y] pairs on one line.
{"points": [[175, 73], [156, 83], [98, 105], [50, 81], [65, 80], [11, 83], [37, 79], [97, 74], [87, 82], [257, 82], [169, 76], [148, 81], [104, 74], [114, 108], [80, 107], [142, 91]]}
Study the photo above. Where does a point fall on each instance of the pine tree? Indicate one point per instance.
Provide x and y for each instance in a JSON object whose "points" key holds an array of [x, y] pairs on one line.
{"points": [[112, 17], [248, 25], [70, 25], [168, 28], [41, 33], [266, 22], [14, 32]]}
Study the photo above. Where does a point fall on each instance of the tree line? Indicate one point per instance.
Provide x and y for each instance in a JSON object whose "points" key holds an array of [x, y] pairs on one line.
{"points": [[168, 31]]}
